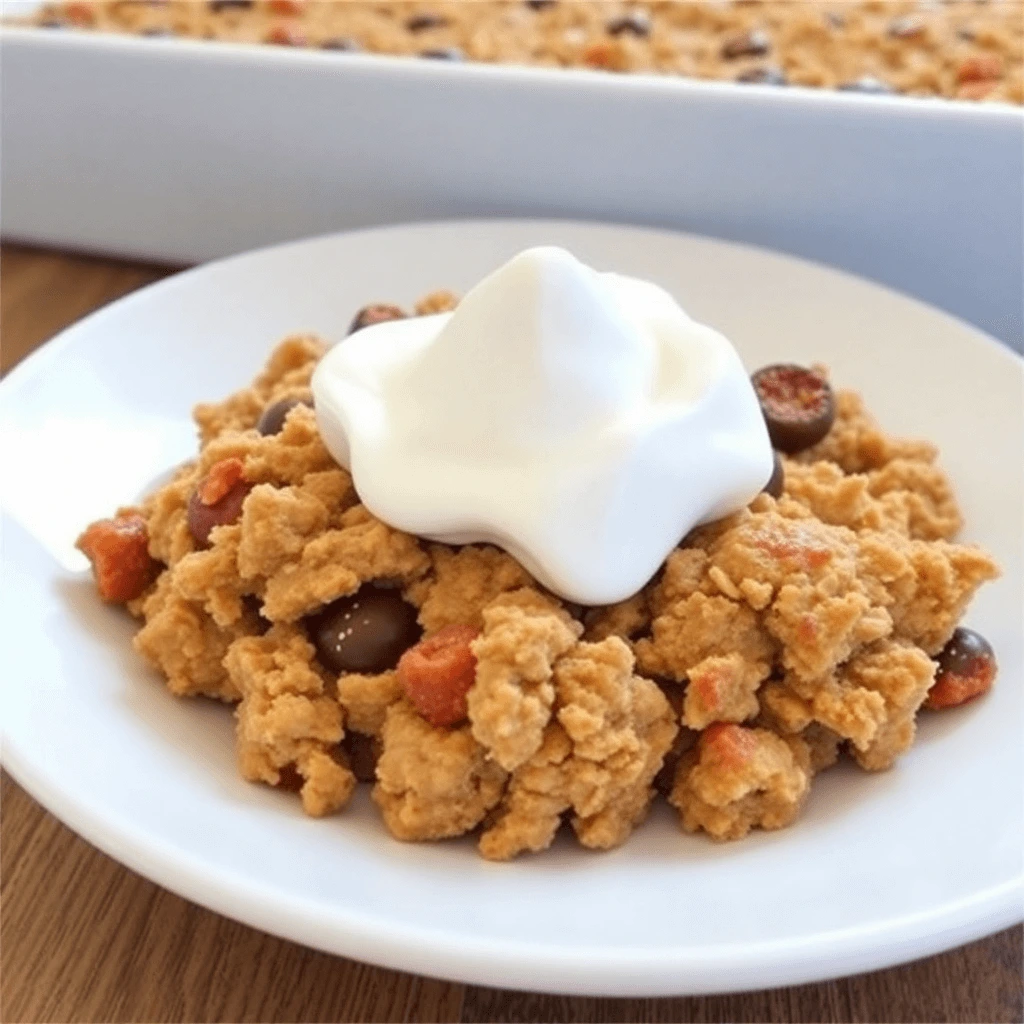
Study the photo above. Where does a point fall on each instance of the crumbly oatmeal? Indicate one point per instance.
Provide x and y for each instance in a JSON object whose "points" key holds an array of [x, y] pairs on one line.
{"points": [[964, 49], [799, 631]]}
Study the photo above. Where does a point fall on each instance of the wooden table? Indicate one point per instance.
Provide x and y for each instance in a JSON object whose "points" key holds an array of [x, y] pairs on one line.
{"points": [[84, 939]]}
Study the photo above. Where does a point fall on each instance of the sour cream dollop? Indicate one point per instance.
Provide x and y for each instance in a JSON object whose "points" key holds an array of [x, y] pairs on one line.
{"points": [[579, 420]]}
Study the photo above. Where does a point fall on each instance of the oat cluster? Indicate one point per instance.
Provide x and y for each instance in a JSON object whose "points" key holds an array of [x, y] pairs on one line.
{"points": [[770, 644]]}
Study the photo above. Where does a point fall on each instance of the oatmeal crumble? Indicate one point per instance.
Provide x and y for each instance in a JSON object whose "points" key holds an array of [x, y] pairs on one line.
{"points": [[772, 643], [964, 49]]}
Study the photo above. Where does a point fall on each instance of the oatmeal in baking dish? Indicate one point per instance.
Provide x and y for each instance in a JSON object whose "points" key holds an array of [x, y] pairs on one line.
{"points": [[967, 49], [810, 623]]}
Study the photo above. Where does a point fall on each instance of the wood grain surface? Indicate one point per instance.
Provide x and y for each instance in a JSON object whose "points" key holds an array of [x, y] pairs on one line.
{"points": [[84, 939]]}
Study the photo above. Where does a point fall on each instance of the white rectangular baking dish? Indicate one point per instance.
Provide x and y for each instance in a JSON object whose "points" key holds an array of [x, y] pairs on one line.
{"points": [[182, 151]]}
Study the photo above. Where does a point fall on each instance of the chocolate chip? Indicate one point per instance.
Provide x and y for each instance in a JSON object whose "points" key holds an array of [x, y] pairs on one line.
{"points": [[966, 669], [763, 76], [377, 313], [967, 654], [156, 33], [273, 417], [422, 22], [443, 53], [751, 44], [867, 84], [540, 5], [777, 480], [906, 27], [227, 5], [202, 518], [966, 33], [50, 23], [342, 45], [797, 403], [834, 20], [366, 632], [362, 753], [637, 23]]}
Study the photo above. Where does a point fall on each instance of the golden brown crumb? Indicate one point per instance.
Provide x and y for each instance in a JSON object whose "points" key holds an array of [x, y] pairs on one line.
{"points": [[366, 700], [462, 583], [286, 718], [700, 627], [721, 689], [185, 643], [336, 562], [432, 783], [598, 758], [900, 674], [737, 779], [436, 302], [626, 619], [510, 704]]}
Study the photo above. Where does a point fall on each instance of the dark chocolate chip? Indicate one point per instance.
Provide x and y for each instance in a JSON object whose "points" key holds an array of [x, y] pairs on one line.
{"points": [[273, 417], [966, 33], [750, 44], [378, 313], [867, 84], [835, 20], [51, 23], [227, 5], [636, 23], [202, 518], [443, 53], [422, 22], [366, 632], [362, 753], [778, 478], [967, 655], [905, 27], [797, 403], [540, 5], [763, 76], [342, 45], [156, 33]]}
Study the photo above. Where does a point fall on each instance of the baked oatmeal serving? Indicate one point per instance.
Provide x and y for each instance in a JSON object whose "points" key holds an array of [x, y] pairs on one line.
{"points": [[803, 619], [963, 49]]}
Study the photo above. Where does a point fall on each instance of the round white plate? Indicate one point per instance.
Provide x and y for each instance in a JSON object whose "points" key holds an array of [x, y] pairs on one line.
{"points": [[879, 869]]}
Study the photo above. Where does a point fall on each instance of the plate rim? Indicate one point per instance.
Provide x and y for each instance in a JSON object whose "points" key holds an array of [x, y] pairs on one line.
{"points": [[734, 966], [612, 971]]}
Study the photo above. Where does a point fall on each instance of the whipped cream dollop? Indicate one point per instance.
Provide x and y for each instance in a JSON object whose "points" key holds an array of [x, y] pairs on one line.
{"points": [[579, 420]]}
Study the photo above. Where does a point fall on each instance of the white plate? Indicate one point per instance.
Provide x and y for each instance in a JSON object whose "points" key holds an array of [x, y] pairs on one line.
{"points": [[880, 868]]}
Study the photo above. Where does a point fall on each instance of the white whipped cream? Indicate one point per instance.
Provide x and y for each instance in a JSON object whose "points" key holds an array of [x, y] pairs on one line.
{"points": [[579, 420]]}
